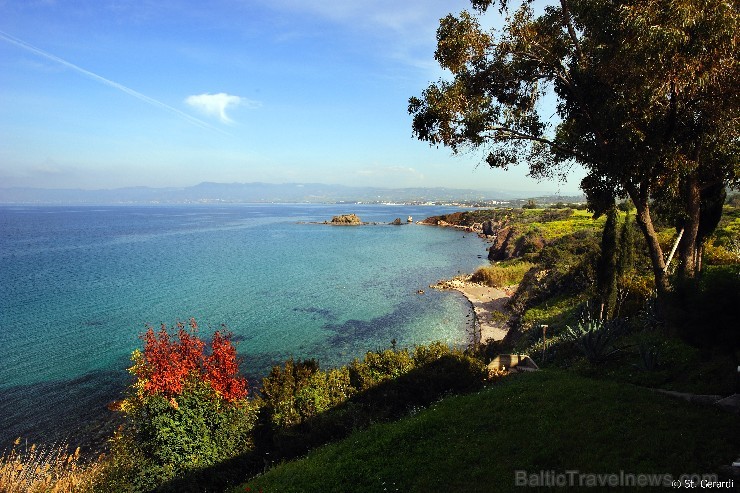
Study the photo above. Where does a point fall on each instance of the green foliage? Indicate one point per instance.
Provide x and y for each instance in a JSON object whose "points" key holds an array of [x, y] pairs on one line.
{"points": [[721, 255], [555, 312], [565, 266], [498, 275], [424, 355], [723, 248], [166, 437], [299, 390], [379, 366], [633, 293], [626, 206]]}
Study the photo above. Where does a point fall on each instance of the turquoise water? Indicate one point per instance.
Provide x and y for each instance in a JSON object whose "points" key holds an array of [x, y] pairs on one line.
{"points": [[78, 285]]}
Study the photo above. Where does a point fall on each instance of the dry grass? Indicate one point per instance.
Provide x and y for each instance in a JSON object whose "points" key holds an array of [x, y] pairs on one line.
{"points": [[46, 469]]}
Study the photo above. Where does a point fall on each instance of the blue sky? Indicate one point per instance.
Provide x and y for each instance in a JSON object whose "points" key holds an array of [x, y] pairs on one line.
{"points": [[114, 93]]}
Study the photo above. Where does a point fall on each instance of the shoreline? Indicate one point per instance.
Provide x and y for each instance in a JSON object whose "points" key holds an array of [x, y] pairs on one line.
{"points": [[489, 306]]}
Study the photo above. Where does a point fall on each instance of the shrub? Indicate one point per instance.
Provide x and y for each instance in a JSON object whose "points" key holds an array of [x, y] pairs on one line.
{"points": [[560, 213], [501, 275], [299, 390], [305, 406], [186, 408], [633, 292], [721, 255], [564, 267], [379, 366], [426, 354]]}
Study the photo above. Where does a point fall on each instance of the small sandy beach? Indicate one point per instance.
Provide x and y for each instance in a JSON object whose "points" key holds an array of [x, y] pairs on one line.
{"points": [[488, 304]]}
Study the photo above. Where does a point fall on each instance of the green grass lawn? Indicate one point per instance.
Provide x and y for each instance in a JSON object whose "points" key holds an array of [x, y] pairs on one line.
{"points": [[549, 420], [580, 220]]}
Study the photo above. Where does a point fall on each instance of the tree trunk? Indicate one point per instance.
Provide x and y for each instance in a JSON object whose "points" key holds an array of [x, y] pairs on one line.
{"points": [[645, 222], [606, 266], [688, 249], [699, 257]]}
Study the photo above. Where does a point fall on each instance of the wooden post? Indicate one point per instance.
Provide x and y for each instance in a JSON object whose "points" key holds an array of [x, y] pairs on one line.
{"points": [[673, 251], [544, 342]]}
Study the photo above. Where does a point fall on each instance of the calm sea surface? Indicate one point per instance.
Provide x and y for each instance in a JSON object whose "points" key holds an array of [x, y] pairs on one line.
{"points": [[78, 285]]}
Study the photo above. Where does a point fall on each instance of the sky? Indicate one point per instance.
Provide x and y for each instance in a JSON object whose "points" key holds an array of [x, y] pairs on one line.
{"points": [[116, 93]]}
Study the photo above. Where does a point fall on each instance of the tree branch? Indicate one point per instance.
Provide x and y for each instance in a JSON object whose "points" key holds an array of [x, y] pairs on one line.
{"points": [[515, 134], [568, 23]]}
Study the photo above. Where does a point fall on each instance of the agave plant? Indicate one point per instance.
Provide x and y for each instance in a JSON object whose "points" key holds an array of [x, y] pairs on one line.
{"points": [[595, 338]]}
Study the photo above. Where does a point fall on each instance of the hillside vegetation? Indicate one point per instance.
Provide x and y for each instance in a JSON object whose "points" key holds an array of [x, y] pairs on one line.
{"points": [[553, 255], [546, 421]]}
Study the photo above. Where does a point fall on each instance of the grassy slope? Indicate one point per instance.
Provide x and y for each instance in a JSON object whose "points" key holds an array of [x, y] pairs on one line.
{"points": [[549, 420]]}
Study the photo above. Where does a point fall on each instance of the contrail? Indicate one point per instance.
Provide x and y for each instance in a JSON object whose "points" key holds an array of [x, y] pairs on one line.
{"points": [[143, 97]]}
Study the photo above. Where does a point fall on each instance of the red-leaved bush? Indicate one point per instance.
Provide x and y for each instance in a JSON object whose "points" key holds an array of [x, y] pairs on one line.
{"points": [[171, 360]]}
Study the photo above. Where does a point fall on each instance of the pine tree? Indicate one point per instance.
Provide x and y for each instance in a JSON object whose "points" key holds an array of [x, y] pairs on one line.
{"points": [[626, 258]]}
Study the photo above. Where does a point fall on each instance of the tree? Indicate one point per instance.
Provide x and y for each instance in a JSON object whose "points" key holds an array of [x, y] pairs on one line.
{"points": [[647, 100], [626, 256]]}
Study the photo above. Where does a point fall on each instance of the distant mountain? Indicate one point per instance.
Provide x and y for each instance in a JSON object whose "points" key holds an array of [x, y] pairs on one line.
{"points": [[232, 193]]}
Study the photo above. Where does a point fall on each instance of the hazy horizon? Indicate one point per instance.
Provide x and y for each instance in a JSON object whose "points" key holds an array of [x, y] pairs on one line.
{"points": [[551, 191], [259, 192]]}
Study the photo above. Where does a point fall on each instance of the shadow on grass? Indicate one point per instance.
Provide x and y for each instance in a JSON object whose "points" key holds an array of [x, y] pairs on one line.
{"points": [[386, 401]]}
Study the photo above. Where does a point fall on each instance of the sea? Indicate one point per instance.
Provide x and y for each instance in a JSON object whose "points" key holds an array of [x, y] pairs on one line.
{"points": [[79, 285]]}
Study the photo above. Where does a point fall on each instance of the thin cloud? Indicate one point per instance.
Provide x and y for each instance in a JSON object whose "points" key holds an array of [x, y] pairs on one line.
{"points": [[127, 90], [405, 30], [216, 104]]}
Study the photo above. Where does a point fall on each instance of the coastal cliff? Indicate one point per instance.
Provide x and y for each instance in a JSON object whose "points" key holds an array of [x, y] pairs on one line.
{"points": [[511, 232]]}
